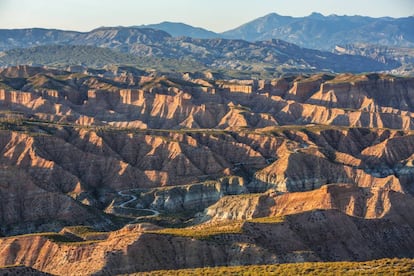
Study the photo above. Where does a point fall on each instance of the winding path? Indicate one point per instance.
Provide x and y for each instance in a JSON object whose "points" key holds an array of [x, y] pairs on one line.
{"points": [[126, 193], [133, 198]]}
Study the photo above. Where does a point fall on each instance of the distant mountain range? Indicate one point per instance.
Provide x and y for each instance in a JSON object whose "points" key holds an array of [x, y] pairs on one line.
{"points": [[314, 31], [324, 32], [108, 37], [131, 45], [62, 56], [257, 46]]}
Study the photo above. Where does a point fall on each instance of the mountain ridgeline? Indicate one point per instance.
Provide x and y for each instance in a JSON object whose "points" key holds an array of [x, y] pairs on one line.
{"points": [[324, 32], [314, 31], [181, 29], [263, 45], [131, 45]]}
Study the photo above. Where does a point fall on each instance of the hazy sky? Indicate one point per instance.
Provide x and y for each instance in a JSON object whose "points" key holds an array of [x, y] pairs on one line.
{"points": [[216, 15]]}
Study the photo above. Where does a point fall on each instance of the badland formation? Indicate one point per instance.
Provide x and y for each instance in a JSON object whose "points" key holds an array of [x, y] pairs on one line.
{"points": [[119, 169]]}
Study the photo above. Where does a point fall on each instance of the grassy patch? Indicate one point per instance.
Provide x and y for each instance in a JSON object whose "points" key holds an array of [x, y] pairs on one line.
{"points": [[245, 196], [269, 220], [376, 267], [80, 229], [61, 238], [220, 228], [85, 232], [52, 236], [205, 231], [44, 234], [58, 238]]}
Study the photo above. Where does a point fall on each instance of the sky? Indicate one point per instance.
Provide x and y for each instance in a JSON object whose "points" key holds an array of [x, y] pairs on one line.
{"points": [[215, 15]]}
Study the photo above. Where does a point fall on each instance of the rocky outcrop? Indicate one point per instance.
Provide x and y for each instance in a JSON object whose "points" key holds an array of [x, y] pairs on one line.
{"points": [[235, 208], [196, 197], [303, 172], [368, 93], [362, 202], [239, 86], [361, 157], [16, 97]]}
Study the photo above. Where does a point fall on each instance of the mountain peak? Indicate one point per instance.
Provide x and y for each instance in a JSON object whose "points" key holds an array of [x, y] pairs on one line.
{"points": [[274, 15], [178, 29], [316, 15]]}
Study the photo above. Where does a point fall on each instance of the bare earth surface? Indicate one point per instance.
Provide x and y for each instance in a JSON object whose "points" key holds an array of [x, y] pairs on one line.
{"points": [[119, 172]]}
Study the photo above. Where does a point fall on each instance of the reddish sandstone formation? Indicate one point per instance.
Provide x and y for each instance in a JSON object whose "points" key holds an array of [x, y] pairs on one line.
{"points": [[333, 155]]}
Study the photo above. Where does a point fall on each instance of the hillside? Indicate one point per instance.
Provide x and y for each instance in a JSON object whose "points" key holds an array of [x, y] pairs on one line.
{"points": [[59, 55], [63, 56]]}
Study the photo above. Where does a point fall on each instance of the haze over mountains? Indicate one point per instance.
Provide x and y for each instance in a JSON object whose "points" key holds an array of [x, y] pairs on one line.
{"points": [[315, 31], [255, 46], [324, 32], [130, 45]]}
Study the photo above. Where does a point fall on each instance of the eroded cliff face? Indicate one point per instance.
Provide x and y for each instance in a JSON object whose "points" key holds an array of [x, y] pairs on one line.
{"points": [[362, 202], [312, 159], [89, 167], [182, 101], [191, 198], [324, 154], [84, 167]]}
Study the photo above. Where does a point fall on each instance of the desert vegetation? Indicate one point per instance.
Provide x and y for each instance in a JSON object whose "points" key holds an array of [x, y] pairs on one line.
{"points": [[376, 267]]}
